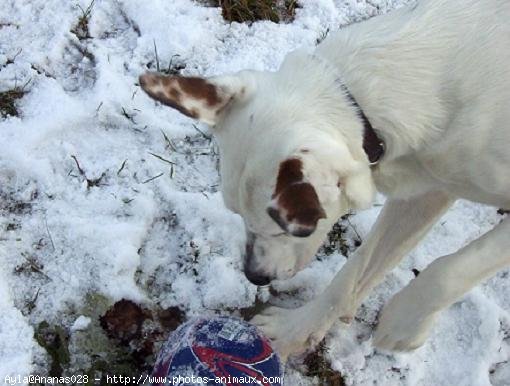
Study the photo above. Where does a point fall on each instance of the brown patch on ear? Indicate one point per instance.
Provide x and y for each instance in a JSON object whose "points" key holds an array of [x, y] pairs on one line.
{"points": [[295, 207], [175, 94], [192, 96], [198, 88], [161, 89]]}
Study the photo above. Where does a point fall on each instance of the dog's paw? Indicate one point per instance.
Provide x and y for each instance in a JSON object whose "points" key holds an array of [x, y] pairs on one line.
{"points": [[291, 331], [404, 325]]}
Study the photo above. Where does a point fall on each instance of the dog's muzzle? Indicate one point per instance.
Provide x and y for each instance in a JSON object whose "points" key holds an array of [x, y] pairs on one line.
{"points": [[254, 276]]}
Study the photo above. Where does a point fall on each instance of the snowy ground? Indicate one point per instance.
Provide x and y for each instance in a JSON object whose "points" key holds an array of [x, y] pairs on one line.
{"points": [[90, 207]]}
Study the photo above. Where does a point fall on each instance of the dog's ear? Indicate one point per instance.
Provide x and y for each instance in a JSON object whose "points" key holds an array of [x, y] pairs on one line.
{"points": [[295, 206], [199, 98]]}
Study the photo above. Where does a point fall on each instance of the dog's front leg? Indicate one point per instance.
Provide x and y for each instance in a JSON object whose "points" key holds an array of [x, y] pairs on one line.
{"points": [[400, 226], [406, 320]]}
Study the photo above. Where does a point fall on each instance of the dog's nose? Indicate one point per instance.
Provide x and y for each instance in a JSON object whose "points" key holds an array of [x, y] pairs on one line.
{"points": [[257, 278]]}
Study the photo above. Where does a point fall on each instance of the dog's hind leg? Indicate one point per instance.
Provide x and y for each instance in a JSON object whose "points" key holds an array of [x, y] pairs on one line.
{"points": [[400, 226], [406, 320]]}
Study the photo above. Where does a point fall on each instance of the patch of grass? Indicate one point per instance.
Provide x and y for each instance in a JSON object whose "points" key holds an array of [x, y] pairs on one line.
{"points": [[319, 367], [8, 101], [126, 337], [81, 29], [104, 355], [121, 339], [8, 98], [252, 10], [288, 12], [11, 205], [55, 340], [175, 65], [336, 241], [343, 238]]}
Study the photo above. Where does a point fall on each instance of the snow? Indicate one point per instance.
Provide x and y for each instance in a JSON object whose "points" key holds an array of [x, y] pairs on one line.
{"points": [[169, 240], [81, 323], [15, 336]]}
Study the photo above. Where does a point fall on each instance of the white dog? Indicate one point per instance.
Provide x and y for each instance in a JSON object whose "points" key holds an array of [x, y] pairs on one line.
{"points": [[415, 104]]}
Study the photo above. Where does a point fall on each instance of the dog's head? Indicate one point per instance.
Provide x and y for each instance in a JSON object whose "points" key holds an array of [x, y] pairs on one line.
{"points": [[291, 156]]}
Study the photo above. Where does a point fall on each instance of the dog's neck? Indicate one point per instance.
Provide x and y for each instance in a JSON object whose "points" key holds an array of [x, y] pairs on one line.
{"points": [[395, 78], [372, 142], [373, 145]]}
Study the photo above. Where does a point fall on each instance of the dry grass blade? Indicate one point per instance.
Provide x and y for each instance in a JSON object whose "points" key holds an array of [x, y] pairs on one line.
{"points": [[162, 159], [90, 182], [122, 166], [152, 178]]}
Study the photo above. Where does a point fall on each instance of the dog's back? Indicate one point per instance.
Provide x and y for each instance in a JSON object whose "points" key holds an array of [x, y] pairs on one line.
{"points": [[438, 74], [475, 91]]}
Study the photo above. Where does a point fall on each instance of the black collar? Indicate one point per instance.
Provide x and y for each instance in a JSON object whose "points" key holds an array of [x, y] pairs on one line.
{"points": [[372, 144]]}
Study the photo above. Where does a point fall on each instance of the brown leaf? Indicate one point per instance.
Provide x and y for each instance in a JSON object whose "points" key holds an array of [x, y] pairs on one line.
{"points": [[124, 321]]}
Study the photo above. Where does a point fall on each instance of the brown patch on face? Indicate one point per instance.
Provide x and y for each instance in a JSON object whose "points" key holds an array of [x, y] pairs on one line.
{"points": [[297, 208], [301, 202], [288, 173]]}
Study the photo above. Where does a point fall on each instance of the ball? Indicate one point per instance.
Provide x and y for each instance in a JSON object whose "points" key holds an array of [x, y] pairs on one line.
{"points": [[220, 351]]}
